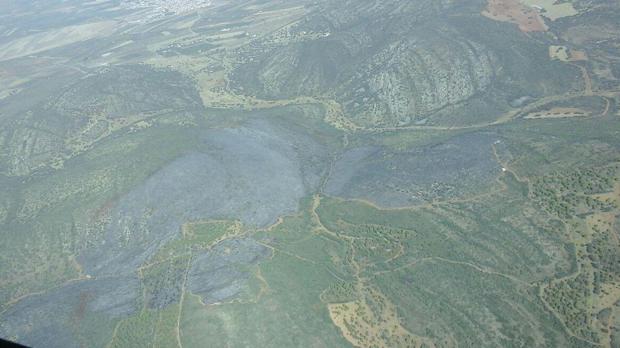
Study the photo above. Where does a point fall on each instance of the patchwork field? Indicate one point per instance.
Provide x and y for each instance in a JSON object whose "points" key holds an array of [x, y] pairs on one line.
{"points": [[552, 9]]}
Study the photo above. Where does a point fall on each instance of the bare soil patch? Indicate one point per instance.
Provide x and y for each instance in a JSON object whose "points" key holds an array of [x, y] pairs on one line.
{"points": [[513, 11]]}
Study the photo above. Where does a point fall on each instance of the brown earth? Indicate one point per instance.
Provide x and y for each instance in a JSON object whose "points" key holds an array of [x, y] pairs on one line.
{"points": [[512, 11], [577, 55]]}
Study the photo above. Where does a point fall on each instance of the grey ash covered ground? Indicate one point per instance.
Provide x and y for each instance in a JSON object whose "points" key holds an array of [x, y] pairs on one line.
{"points": [[251, 173], [222, 273], [61, 317], [353, 146], [459, 166]]}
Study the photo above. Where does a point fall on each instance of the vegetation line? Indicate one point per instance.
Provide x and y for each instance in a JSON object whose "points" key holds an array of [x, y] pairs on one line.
{"points": [[114, 333], [183, 287], [286, 252]]}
